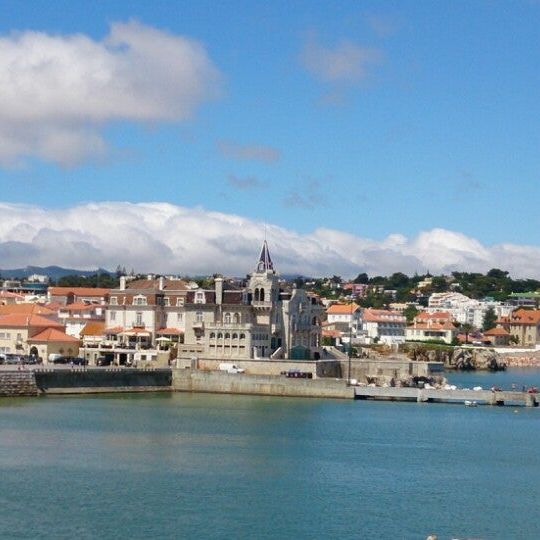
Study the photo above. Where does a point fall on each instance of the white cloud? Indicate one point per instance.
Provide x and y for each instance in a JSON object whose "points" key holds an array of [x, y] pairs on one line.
{"points": [[58, 91], [346, 62], [161, 237]]}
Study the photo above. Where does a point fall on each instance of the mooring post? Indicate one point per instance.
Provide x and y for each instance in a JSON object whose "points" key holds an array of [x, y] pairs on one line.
{"points": [[530, 400]]}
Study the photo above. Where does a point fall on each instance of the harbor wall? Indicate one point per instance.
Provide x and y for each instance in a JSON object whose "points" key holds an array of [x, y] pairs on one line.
{"points": [[17, 383], [82, 381], [396, 368], [188, 380]]}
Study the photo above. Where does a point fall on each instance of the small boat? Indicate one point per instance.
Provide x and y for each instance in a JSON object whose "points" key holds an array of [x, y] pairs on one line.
{"points": [[469, 403]]}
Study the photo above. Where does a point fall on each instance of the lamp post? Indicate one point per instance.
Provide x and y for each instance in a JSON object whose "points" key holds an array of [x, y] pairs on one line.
{"points": [[350, 347]]}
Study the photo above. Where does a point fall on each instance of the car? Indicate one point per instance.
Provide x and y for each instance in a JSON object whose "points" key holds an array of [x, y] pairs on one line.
{"points": [[62, 360], [103, 361], [12, 359], [79, 361]]}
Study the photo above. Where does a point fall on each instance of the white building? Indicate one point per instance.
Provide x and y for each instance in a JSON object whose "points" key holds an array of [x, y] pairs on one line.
{"points": [[383, 326]]}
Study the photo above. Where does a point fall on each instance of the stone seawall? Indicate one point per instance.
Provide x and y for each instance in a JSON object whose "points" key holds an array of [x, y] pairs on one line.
{"points": [[100, 380], [17, 383], [188, 380]]}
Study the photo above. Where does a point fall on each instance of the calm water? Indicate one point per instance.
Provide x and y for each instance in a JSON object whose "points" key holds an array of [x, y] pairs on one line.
{"points": [[210, 466]]}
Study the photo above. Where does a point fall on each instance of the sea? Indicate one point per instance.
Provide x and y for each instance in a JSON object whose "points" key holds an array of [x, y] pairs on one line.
{"points": [[153, 466]]}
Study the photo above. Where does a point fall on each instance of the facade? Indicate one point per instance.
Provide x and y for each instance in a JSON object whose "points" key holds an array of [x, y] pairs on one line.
{"points": [[74, 317], [523, 325], [345, 317], [499, 337], [384, 326], [432, 326], [259, 320], [73, 295]]}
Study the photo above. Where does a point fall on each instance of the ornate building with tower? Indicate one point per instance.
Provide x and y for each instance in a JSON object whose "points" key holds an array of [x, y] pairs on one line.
{"points": [[263, 319]]}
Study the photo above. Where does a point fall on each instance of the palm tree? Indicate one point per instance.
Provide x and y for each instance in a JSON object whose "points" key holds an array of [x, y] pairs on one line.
{"points": [[466, 328]]}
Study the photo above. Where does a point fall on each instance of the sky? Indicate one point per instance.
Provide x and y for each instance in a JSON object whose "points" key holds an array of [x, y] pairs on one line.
{"points": [[357, 136]]}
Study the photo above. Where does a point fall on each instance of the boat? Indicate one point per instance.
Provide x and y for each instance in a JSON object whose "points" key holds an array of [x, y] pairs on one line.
{"points": [[469, 403]]}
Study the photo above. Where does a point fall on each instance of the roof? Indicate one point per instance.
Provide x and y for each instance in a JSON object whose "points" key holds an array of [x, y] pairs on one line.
{"points": [[331, 333], [26, 309], [435, 315], [525, 316], [55, 335], [432, 325], [497, 331], [21, 320], [8, 294], [383, 315], [78, 291], [93, 328], [113, 330], [80, 306], [153, 284], [265, 261], [342, 309], [169, 331]]}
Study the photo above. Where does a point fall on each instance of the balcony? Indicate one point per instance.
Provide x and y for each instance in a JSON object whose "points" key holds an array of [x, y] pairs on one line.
{"points": [[257, 304], [198, 325]]}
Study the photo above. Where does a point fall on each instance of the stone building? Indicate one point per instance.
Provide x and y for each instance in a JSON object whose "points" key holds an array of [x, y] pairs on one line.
{"points": [[260, 320]]}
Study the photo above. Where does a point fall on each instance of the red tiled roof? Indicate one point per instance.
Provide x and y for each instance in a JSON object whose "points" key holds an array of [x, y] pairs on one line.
{"points": [[432, 325], [93, 328], [497, 331], [78, 291], [435, 315], [169, 331], [383, 315], [26, 309], [113, 330], [52, 334], [20, 320], [342, 309], [525, 316]]}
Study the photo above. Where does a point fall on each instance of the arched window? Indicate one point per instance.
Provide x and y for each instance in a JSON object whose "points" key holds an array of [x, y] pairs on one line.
{"points": [[257, 295], [227, 336], [242, 336], [236, 318], [212, 335], [220, 335], [227, 318], [235, 336], [262, 295]]}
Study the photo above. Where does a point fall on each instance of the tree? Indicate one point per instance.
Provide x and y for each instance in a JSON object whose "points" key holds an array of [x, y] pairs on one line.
{"points": [[466, 328], [410, 313], [490, 319], [361, 278]]}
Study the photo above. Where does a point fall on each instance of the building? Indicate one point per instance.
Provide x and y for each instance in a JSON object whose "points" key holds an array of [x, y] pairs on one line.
{"points": [[384, 326], [498, 336], [432, 326], [259, 320], [523, 325], [77, 295], [74, 317], [345, 318], [34, 334]]}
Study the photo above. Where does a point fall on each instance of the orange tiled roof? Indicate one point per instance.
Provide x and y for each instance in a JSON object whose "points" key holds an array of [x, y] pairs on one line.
{"points": [[435, 315], [8, 294], [53, 334], [497, 331], [20, 320], [342, 309], [113, 330], [525, 316], [169, 331], [383, 315], [432, 325], [93, 328], [26, 309], [331, 333], [78, 291]]}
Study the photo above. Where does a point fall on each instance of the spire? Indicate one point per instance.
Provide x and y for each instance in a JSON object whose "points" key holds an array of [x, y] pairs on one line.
{"points": [[265, 262]]}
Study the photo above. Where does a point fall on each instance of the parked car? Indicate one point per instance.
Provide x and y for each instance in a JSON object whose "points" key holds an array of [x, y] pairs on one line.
{"points": [[62, 360], [79, 361], [12, 359], [103, 361]]}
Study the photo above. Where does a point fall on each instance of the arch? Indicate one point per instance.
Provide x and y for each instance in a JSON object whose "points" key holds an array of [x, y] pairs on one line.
{"points": [[227, 318], [257, 295], [236, 318], [227, 335], [315, 321], [242, 336], [212, 335], [235, 336], [262, 295], [34, 351], [220, 335]]}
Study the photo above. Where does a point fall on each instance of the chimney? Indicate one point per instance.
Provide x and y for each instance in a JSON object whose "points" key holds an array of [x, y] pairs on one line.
{"points": [[122, 283], [219, 290], [161, 283]]}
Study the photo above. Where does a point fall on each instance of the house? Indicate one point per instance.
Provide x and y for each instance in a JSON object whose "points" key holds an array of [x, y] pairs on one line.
{"points": [[498, 336], [260, 320], [73, 295], [384, 326], [345, 317], [17, 330], [524, 325], [75, 316], [432, 326], [9, 298], [53, 341]]}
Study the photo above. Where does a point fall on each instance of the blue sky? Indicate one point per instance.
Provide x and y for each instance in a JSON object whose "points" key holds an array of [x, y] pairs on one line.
{"points": [[431, 122]]}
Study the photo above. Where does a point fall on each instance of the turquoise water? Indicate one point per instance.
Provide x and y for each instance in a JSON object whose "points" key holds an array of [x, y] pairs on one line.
{"points": [[226, 467]]}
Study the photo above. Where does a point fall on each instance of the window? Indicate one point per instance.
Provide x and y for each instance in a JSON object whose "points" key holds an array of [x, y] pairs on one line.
{"points": [[140, 300], [237, 318], [179, 317], [227, 336], [220, 335], [166, 302], [138, 318], [212, 335], [227, 318], [114, 301], [235, 336], [113, 315], [179, 301], [199, 298], [199, 316]]}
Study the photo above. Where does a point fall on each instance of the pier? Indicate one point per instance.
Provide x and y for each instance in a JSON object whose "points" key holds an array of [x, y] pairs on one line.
{"points": [[432, 395]]}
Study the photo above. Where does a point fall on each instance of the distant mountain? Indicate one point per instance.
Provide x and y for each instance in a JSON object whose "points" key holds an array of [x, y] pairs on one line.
{"points": [[54, 272]]}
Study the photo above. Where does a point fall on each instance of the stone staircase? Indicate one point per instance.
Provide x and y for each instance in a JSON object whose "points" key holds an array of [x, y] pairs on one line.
{"points": [[18, 383]]}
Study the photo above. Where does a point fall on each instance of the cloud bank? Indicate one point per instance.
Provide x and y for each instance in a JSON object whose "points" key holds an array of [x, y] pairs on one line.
{"points": [[57, 92], [162, 237]]}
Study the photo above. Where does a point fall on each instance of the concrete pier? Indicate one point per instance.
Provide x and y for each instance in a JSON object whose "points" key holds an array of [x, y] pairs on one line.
{"points": [[432, 395]]}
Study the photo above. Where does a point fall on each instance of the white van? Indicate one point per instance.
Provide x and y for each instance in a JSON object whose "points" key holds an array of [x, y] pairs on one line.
{"points": [[230, 368]]}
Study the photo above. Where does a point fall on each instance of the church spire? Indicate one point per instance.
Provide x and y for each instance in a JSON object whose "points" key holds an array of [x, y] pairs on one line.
{"points": [[265, 262]]}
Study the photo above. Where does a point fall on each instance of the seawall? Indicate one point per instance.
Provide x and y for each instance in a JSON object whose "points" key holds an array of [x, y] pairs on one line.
{"points": [[188, 380], [18, 383], [100, 380]]}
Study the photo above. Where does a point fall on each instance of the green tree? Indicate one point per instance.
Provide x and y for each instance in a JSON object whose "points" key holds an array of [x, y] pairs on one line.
{"points": [[490, 319], [361, 278], [410, 313], [466, 328]]}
